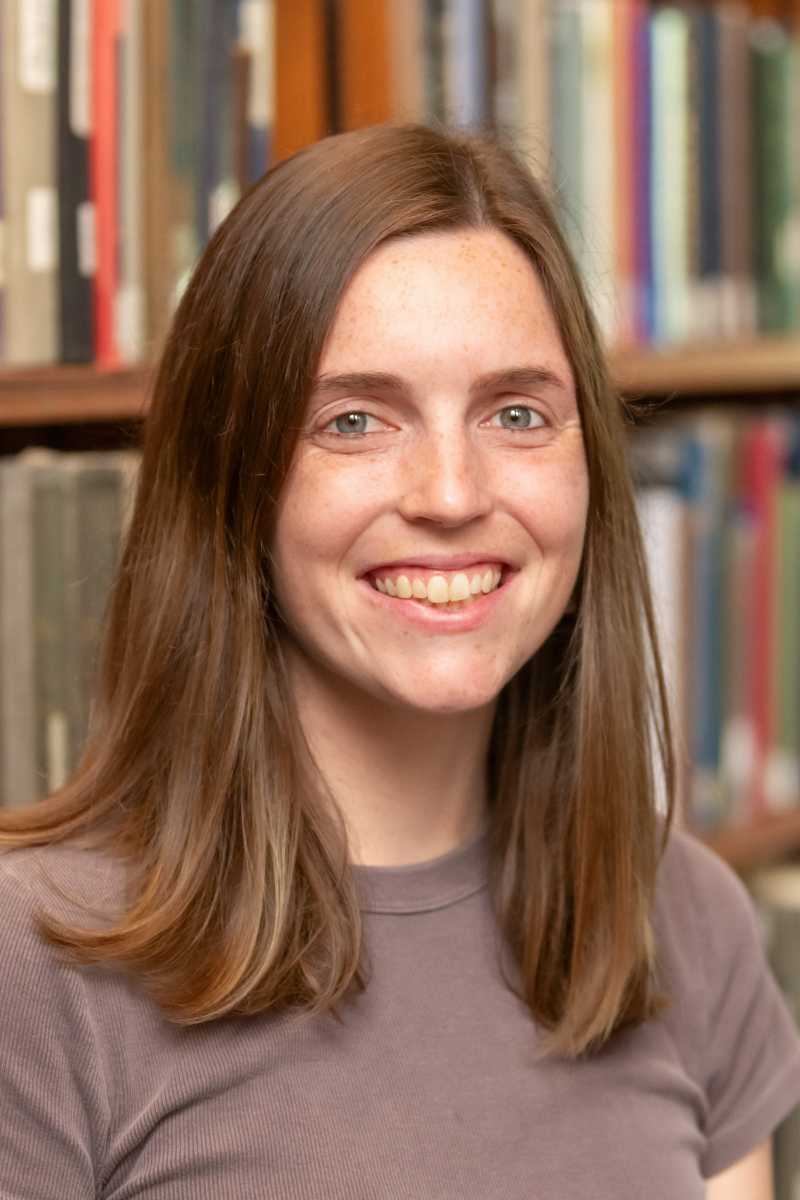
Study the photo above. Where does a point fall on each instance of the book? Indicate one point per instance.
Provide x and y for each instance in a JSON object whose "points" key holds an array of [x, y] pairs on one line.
{"points": [[20, 783], [777, 235], [75, 210], [28, 146], [103, 174]]}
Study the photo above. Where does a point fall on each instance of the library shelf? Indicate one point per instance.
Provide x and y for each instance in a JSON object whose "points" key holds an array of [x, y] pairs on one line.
{"points": [[741, 367], [64, 394]]}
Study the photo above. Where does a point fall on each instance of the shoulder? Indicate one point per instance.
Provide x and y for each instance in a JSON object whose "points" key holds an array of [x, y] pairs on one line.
{"points": [[688, 862], [53, 1076], [66, 881], [728, 1017], [700, 900], [708, 940]]}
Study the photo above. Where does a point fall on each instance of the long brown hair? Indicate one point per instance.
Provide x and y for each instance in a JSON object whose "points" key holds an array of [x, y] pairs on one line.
{"points": [[195, 770]]}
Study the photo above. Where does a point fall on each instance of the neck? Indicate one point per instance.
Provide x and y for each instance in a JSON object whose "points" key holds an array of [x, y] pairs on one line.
{"points": [[411, 785]]}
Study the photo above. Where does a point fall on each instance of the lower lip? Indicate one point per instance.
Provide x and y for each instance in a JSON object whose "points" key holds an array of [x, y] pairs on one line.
{"points": [[441, 619]]}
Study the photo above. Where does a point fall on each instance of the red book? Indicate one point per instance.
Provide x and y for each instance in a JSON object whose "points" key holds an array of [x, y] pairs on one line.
{"points": [[103, 176], [761, 473]]}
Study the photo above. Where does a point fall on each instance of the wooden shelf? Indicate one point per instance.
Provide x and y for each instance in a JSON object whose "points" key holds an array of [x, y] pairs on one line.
{"points": [[78, 394], [768, 364], [767, 840], [63, 395]]}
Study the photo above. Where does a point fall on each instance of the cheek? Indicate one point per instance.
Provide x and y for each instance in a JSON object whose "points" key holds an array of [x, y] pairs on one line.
{"points": [[553, 506], [321, 513]]}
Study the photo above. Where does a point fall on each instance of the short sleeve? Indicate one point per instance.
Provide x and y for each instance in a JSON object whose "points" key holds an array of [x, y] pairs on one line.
{"points": [[751, 1045], [52, 1099]]}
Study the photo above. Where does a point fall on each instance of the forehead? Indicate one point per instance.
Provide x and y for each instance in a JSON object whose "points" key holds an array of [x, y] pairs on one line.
{"points": [[469, 292]]}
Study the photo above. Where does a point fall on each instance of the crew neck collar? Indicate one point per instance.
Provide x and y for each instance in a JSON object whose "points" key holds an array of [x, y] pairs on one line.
{"points": [[424, 886]]}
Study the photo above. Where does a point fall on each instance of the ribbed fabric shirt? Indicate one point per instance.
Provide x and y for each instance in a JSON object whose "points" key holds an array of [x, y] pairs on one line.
{"points": [[428, 1090]]}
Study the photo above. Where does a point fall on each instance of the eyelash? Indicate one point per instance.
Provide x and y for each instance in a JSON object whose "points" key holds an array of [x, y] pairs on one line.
{"points": [[349, 437]]}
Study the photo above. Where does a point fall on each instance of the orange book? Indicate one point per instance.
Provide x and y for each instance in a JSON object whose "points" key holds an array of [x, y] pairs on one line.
{"points": [[103, 176]]}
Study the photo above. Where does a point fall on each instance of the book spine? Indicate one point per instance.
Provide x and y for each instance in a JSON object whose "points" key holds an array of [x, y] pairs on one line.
{"points": [[129, 313], [566, 132], [668, 165], [29, 173], [709, 267], [50, 633], [466, 69], [76, 234], [776, 254], [257, 37], [17, 688], [642, 175], [103, 167], [598, 183]]}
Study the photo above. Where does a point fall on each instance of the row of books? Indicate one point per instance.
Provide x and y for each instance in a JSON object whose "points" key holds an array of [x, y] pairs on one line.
{"points": [[718, 495], [128, 129], [62, 516], [719, 503], [669, 134]]}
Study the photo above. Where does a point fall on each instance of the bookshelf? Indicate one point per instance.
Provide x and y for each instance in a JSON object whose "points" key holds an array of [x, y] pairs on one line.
{"points": [[754, 367], [84, 394], [338, 68], [71, 395]]}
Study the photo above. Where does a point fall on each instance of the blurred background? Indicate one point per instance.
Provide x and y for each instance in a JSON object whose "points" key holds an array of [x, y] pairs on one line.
{"points": [[667, 136]]}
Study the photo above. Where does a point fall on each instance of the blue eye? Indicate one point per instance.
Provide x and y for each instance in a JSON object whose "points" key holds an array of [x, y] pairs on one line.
{"points": [[519, 420], [353, 421]]}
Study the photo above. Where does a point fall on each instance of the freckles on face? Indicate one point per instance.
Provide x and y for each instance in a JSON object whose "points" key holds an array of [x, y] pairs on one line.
{"points": [[440, 339]]}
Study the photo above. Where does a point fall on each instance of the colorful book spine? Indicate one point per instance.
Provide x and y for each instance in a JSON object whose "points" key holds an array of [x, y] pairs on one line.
{"points": [[103, 169]]}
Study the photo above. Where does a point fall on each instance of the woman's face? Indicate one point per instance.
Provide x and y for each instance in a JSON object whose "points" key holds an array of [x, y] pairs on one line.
{"points": [[444, 424]]}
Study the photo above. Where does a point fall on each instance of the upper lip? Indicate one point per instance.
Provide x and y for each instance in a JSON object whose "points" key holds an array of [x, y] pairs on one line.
{"points": [[441, 562]]}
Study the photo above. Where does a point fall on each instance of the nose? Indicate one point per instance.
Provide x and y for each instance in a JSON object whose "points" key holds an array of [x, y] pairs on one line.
{"points": [[446, 480]]}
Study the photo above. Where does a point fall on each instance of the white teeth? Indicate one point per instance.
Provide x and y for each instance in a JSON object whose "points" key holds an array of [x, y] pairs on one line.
{"points": [[440, 590]]}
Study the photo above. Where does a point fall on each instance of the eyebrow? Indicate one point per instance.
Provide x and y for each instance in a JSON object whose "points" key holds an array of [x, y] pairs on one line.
{"points": [[510, 377]]}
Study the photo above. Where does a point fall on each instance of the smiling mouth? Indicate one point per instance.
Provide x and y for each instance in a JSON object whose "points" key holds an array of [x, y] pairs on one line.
{"points": [[481, 586]]}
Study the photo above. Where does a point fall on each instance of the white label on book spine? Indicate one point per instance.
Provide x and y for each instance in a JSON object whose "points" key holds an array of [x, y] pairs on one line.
{"points": [[80, 69], [256, 34], [56, 750], [42, 229], [37, 45], [222, 199], [87, 254], [129, 322]]}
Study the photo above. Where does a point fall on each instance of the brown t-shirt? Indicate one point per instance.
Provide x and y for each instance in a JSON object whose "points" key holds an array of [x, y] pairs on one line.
{"points": [[428, 1091]]}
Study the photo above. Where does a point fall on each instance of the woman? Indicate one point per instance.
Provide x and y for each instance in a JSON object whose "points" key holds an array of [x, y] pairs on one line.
{"points": [[362, 862]]}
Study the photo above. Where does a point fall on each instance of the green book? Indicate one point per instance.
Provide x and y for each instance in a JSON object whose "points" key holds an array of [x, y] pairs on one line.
{"points": [[777, 253], [51, 636], [93, 483], [20, 784]]}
